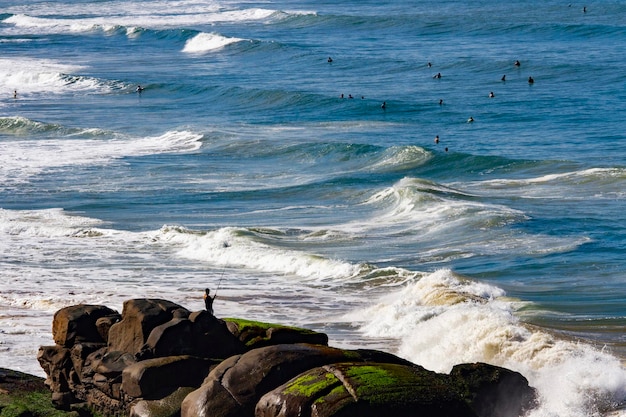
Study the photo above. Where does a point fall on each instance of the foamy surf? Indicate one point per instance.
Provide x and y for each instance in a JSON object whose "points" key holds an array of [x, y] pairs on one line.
{"points": [[22, 157], [30, 76], [205, 42], [442, 320], [242, 248]]}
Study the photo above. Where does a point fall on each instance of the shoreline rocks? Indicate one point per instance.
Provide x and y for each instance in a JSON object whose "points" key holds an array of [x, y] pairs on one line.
{"points": [[159, 359]]}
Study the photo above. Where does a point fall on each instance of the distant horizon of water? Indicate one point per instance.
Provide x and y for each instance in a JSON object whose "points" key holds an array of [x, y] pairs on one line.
{"points": [[253, 165]]}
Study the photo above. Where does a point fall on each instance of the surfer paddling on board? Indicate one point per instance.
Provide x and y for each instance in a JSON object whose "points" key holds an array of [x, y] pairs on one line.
{"points": [[208, 300], [139, 89]]}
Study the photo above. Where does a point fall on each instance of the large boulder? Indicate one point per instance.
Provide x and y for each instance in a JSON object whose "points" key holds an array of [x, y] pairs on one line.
{"points": [[151, 378], [200, 335], [254, 334], [365, 390], [78, 324], [495, 391], [235, 385], [139, 318]]}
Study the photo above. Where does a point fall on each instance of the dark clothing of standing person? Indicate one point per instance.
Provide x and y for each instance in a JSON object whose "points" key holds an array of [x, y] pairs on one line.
{"points": [[208, 300]]}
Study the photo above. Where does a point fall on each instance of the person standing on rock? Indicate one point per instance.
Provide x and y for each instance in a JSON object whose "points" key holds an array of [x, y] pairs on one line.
{"points": [[208, 300]]}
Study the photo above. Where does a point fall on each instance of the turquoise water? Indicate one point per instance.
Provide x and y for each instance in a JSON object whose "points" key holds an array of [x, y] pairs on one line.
{"points": [[240, 167]]}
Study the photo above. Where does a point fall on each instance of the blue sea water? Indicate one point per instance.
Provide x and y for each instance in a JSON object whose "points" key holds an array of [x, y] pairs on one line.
{"points": [[245, 166]]}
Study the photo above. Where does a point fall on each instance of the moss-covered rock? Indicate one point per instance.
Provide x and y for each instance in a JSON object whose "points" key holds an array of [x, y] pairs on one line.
{"points": [[235, 385], [255, 334], [365, 389]]}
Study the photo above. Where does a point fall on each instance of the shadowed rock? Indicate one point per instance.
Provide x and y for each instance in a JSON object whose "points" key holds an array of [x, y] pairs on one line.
{"points": [[139, 318], [150, 378], [254, 334], [166, 407], [235, 385], [200, 335], [495, 391], [365, 390], [77, 324]]}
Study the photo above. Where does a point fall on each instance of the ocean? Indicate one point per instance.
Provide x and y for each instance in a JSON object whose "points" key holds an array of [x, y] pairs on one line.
{"points": [[258, 160]]}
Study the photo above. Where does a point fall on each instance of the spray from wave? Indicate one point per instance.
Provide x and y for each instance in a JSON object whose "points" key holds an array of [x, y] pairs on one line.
{"points": [[205, 42], [442, 320]]}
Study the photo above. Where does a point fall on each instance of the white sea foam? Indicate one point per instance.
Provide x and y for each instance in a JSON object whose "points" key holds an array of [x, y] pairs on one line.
{"points": [[592, 182], [442, 320], [129, 16], [52, 259], [30, 75], [234, 247], [20, 159], [204, 42], [440, 217]]}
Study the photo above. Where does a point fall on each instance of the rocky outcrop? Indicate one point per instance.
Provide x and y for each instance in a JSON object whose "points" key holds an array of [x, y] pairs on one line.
{"points": [[243, 379], [160, 359]]}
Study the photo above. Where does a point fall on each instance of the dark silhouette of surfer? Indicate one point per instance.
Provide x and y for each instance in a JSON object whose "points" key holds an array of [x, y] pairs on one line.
{"points": [[139, 89], [208, 300], [530, 80]]}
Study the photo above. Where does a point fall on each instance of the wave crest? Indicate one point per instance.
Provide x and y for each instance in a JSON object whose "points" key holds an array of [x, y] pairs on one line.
{"points": [[205, 42]]}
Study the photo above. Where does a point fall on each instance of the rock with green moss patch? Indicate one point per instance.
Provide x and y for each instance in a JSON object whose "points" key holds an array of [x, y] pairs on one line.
{"points": [[364, 390], [235, 385], [256, 334], [24, 395]]}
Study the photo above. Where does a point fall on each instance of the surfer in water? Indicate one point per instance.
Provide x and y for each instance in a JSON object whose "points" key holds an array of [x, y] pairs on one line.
{"points": [[208, 300], [139, 89]]}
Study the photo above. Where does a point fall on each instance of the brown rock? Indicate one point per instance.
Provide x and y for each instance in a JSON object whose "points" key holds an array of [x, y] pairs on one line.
{"points": [[57, 363], [201, 335], [111, 364], [165, 407], [150, 378], [254, 334], [78, 324], [103, 325], [79, 353], [243, 379], [139, 318]]}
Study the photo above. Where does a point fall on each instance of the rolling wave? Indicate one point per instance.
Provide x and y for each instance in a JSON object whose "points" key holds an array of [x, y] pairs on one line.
{"points": [[42, 76], [443, 319], [205, 42], [24, 156]]}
